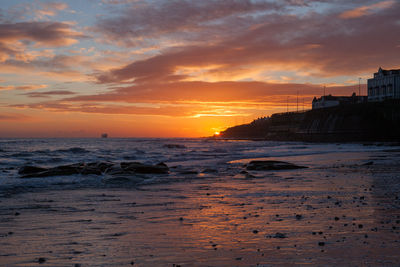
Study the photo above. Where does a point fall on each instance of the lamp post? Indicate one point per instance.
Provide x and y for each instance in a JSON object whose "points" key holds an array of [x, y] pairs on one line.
{"points": [[287, 105], [359, 90]]}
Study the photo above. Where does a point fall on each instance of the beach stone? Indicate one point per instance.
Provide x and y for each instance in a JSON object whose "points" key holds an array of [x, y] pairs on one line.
{"points": [[78, 168], [41, 260], [26, 170], [59, 170], [160, 168], [269, 165], [209, 171], [278, 235]]}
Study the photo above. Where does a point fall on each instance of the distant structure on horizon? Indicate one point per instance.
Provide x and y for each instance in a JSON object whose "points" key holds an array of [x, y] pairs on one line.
{"points": [[331, 101], [104, 135], [384, 85]]}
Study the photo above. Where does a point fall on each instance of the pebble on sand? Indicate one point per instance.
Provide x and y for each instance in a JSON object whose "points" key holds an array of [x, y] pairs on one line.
{"points": [[299, 216]]}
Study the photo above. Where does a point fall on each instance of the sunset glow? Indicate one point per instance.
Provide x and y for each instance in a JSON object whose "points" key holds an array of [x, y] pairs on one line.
{"points": [[159, 68]]}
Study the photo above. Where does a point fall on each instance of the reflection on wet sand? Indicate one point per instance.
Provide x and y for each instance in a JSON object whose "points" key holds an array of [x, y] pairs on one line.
{"points": [[343, 214]]}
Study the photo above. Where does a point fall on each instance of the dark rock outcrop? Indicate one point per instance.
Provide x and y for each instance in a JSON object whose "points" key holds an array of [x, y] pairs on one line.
{"points": [[26, 170], [271, 165], [160, 168], [96, 168], [59, 170]]}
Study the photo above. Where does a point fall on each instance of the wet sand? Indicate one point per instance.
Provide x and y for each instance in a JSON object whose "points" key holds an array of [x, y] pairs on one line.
{"points": [[342, 214]]}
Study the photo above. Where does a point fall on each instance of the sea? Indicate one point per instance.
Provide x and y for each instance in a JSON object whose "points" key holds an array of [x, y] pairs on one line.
{"points": [[193, 158]]}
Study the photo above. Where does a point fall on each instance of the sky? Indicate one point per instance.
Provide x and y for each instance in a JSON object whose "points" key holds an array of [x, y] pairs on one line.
{"points": [[187, 68]]}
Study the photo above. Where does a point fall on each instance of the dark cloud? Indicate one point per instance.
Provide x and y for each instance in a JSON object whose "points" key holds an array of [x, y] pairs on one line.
{"points": [[186, 19], [45, 33], [321, 43]]}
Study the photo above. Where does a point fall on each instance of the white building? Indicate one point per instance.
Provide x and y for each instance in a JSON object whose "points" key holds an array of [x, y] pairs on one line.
{"points": [[384, 85], [324, 102], [327, 101]]}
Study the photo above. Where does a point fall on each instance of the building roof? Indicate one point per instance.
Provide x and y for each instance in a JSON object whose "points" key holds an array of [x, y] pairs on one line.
{"points": [[335, 98], [387, 72]]}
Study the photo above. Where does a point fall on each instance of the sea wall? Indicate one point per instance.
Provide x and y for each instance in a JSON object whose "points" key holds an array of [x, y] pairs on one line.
{"points": [[345, 123]]}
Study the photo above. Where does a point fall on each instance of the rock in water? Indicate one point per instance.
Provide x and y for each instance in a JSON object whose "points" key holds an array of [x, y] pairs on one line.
{"points": [[26, 170], [97, 168], [59, 170], [137, 167], [271, 165]]}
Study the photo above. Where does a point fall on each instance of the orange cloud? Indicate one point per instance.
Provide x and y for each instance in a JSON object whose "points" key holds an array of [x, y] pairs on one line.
{"points": [[50, 9], [24, 87], [190, 99], [13, 117], [366, 10]]}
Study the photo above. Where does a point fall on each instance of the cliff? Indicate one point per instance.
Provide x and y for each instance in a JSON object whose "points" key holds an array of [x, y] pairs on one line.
{"points": [[345, 123]]}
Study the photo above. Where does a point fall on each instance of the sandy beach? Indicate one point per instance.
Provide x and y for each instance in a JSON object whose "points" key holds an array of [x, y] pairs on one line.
{"points": [[342, 212]]}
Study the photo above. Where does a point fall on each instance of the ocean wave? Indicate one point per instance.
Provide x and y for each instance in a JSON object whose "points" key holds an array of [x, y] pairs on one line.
{"points": [[74, 150]]}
